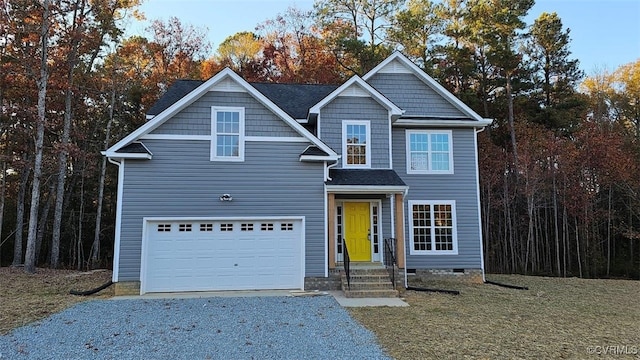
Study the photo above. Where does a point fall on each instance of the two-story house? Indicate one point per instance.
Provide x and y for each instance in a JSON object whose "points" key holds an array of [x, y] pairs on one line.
{"points": [[233, 185]]}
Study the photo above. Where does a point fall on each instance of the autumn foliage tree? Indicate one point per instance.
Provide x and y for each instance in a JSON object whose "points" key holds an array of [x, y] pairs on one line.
{"points": [[558, 167]]}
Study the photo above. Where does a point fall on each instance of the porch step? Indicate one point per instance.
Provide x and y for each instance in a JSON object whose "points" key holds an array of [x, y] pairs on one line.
{"points": [[368, 280], [365, 285], [371, 293]]}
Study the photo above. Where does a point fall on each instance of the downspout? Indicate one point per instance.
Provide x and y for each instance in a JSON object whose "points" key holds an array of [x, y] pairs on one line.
{"points": [[475, 140], [326, 212], [326, 168], [118, 224]]}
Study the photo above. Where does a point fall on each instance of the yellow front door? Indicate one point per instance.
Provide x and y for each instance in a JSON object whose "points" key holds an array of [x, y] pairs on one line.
{"points": [[357, 229]]}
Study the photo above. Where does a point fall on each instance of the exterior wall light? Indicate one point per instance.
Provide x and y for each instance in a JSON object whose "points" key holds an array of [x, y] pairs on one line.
{"points": [[226, 197]]}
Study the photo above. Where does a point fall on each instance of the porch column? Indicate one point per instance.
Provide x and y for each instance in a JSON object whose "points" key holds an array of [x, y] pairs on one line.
{"points": [[399, 215], [331, 225]]}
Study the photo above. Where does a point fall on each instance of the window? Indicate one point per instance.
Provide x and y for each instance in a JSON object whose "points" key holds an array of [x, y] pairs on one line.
{"points": [[184, 227], [206, 227], [266, 226], [227, 131], [429, 152], [164, 227], [286, 227], [226, 227], [246, 227], [433, 227], [356, 144]]}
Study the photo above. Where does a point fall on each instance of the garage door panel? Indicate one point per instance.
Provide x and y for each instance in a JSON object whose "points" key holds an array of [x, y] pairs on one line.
{"points": [[223, 255]]}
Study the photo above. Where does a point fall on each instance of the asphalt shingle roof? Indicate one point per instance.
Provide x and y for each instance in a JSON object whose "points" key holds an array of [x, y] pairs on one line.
{"points": [[133, 148], [294, 99], [314, 151], [367, 177], [176, 91]]}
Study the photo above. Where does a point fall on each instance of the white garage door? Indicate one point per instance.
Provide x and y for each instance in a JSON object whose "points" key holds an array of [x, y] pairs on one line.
{"points": [[222, 255]]}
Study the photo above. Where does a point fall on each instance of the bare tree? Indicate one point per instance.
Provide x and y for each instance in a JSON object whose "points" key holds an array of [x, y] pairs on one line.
{"points": [[30, 256]]}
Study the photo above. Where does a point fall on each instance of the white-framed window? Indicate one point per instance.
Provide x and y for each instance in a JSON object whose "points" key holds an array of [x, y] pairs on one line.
{"points": [[432, 227], [356, 144], [227, 133], [429, 152]]}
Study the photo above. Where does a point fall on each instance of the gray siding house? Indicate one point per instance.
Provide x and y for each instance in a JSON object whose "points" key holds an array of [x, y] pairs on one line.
{"points": [[233, 185]]}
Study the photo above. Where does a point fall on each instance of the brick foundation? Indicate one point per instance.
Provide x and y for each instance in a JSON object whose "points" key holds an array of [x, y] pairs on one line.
{"points": [[127, 288], [466, 275], [323, 283]]}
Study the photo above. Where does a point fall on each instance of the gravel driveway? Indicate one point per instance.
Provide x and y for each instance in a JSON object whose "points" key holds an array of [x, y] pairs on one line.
{"points": [[206, 328]]}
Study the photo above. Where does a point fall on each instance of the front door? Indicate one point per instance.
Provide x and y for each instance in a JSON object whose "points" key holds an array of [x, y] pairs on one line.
{"points": [[357, 230]]}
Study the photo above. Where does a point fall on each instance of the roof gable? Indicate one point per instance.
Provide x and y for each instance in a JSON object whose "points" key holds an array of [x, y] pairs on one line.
{"points": [[398, 63], [356, 86], [225, 79]]}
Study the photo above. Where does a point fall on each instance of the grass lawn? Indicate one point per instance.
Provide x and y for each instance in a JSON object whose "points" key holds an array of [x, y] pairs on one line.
{"points": [[25, 298], [556, 318]]}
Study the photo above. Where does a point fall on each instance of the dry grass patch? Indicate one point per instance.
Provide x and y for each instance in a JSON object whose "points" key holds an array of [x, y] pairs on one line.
{"points": [[555, 318], [25, 298]]}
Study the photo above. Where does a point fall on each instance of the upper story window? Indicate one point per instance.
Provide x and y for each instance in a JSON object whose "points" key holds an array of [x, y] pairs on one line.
{"points": [[429, 152], [356, 143], [227, 131]]}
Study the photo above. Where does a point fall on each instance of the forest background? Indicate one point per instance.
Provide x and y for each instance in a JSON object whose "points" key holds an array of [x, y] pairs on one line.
{"points": [[559, 167]]}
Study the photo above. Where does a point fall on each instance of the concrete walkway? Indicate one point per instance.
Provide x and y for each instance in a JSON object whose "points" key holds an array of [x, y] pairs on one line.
{"points": [[338, 295], [364, 302]]}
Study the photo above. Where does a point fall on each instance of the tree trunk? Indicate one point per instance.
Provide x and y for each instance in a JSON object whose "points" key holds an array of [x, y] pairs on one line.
{"points": [[17, 244], [609, 231], [512, 128], [80, 249], [30, 259], [3, 186], [64, 139], [95, 247], [42, 226], [578, 248], [555, 221]]}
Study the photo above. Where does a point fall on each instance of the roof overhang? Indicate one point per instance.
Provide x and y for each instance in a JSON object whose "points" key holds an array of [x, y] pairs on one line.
{"points": [[117, 155], [366, 189], [318, 158], [442, 123]]}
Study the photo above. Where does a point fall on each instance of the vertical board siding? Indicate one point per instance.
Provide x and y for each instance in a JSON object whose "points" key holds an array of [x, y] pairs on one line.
{"points": [[460, 186], [413, 95], [357, 108], [196, 118], [180, 181]]}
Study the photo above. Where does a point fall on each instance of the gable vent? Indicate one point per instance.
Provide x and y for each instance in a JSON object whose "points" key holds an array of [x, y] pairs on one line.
{"points": [[354, 90], [395, 67], [227, 85]]}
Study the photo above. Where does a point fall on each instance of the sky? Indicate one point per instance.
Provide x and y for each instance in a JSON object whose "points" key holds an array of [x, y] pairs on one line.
{"points": [[605, 34]]}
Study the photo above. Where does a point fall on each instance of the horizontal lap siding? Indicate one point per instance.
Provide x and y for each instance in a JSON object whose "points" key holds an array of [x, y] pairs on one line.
{"points": [[196, 118], [180, 181], [460, 186], [357, 108], [413, 95]]}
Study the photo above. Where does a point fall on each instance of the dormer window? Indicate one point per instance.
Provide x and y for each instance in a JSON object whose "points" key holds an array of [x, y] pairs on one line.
{"points": [[356, 144], [227, 132]]}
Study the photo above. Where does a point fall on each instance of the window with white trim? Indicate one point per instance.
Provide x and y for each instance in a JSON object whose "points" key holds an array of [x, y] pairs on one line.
{"points": [[432, 227], [356, 143], [429, 152], [227, 132]]}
